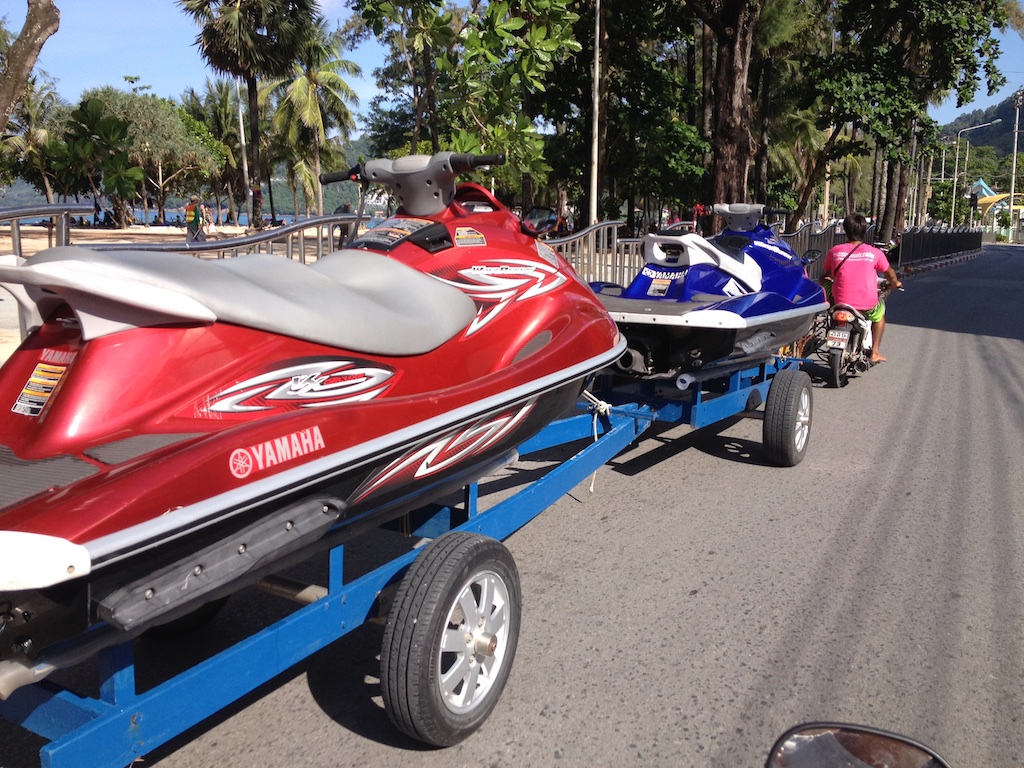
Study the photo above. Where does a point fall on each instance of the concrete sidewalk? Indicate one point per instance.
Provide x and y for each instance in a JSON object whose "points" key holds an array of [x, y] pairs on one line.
{"points": [[10, 335]]}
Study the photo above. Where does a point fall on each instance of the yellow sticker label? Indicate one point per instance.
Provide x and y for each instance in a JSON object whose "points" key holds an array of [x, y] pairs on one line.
{"points": [[465, 236], [38, 389]]}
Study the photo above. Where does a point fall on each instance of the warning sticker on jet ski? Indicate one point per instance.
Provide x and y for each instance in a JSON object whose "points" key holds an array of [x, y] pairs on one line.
{"points": [[38, 389], [659, 287], [546, 252], [269, 453], [465, 236], [388, 234]]}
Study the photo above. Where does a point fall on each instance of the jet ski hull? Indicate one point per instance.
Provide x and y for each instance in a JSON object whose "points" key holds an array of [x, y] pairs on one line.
{"points": [[166, 441], [698, 303]]}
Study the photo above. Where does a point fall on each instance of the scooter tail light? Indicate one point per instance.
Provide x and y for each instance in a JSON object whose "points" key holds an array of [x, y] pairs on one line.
{"points": [[843, 317]]}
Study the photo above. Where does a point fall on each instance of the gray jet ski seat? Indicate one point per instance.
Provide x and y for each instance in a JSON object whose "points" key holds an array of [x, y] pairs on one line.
{"points": [[354, 300]]}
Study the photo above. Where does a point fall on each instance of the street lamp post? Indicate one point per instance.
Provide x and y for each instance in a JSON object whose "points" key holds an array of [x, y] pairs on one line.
{"points": [[1018, 100], [956, 163]]}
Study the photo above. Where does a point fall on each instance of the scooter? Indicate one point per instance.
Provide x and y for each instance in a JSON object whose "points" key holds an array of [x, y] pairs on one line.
{"points": [[847, 342], [840, 745]]}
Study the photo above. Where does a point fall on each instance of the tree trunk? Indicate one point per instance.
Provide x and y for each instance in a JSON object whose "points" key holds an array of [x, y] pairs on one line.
{"points": [[316, 173], [254, 136], [852, 174], [876, 183], [430, 86], [883, 231], [811, 178], [764, 114], [41, 21], [707, 43], [270, 198], [229, 190], [731, 137]]}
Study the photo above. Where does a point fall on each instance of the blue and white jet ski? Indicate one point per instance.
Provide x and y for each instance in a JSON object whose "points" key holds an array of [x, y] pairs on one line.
{"points": [[707, 304]]}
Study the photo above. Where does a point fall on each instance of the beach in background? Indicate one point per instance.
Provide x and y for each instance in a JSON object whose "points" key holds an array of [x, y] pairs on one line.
{"points": [[10, 336], [37, 238]]}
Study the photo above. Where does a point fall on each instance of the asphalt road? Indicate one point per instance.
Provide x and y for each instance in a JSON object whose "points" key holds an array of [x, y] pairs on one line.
{"points": [[700, 602]]}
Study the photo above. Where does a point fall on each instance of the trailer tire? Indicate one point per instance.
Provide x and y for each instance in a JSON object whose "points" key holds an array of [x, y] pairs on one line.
{"points": [[787, 418], [442, 671]]}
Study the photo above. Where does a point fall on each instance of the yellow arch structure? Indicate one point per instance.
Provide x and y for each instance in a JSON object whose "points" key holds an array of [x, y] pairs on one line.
{"points": [[985, 203]]}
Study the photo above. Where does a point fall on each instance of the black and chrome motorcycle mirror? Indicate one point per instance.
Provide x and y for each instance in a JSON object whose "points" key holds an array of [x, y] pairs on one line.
{"points": [[838, 745], [539, 220]]}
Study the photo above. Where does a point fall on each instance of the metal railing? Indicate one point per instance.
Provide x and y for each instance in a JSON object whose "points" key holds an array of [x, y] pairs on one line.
{"points": [[599, 255], [60, 217], [301, 241], [929, 243]]}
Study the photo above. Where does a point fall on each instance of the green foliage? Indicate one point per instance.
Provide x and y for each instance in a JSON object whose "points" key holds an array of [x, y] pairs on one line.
{"points": [[311, 101], [473, 70], [941, 203], [892, 56], [251, 38], [781, 193]]}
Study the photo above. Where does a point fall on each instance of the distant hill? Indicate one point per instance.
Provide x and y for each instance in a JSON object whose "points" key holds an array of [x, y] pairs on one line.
{"points": [[20, 194], [999, 136]]}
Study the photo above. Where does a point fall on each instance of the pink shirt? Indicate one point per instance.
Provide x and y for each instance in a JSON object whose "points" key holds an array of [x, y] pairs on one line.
{"points": [[856, 281]]}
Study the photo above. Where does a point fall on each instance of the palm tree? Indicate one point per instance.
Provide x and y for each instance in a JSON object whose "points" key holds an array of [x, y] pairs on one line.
{"points": [[29, 133], [216, 110], [314, 97], [252, 39]]}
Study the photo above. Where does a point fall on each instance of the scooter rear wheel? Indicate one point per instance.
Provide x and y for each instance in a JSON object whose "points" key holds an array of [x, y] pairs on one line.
{"points": [[837, 374]]}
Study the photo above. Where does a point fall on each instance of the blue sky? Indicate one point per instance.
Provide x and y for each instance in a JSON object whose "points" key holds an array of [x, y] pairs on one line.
{"points": [[100, 41]]}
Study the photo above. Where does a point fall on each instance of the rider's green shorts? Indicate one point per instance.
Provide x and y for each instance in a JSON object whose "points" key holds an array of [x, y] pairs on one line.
{"points": [[876, 313], [873, 315]]}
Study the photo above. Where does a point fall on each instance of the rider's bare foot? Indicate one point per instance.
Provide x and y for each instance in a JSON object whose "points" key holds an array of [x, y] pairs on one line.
{"points": [[875, 360]]}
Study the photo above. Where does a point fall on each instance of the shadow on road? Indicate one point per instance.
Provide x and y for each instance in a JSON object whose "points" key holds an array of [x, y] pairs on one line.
{"points": [[979, 297]]}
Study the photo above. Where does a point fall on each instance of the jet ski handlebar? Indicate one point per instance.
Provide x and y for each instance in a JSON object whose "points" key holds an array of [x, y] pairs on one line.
{"points": [[459, 163], [425, 184]]}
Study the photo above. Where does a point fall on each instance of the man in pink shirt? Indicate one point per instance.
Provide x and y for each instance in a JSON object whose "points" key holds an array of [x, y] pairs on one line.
{"points": [[853, 267]]}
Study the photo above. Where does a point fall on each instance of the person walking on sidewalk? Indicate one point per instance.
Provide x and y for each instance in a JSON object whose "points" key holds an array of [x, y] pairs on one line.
{"points": [[194, 221]]}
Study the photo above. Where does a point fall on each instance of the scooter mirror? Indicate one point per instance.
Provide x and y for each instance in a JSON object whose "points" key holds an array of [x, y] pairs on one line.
{"points": [[836, 745], [539, 220], [810, 257]]}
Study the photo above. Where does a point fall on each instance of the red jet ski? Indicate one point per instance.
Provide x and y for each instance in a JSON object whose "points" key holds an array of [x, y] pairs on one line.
{"points": [[174, 428]]}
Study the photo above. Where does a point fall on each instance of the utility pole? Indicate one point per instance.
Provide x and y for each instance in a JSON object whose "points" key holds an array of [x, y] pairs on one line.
{"points": [[1018, 100], [595, 122], [956, 164], [245, 161]]}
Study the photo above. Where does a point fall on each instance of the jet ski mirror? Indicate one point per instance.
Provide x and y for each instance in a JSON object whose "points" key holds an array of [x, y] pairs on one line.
{"points": [[837, 745], [539, 220]]}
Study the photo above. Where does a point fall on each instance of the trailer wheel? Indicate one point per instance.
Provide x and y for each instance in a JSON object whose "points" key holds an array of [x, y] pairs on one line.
{"points": [[787, 418], [450, 638], [837, 376]]}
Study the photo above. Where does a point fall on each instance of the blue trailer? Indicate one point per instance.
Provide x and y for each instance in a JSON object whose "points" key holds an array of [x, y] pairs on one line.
{"points": [[453, 606]]}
